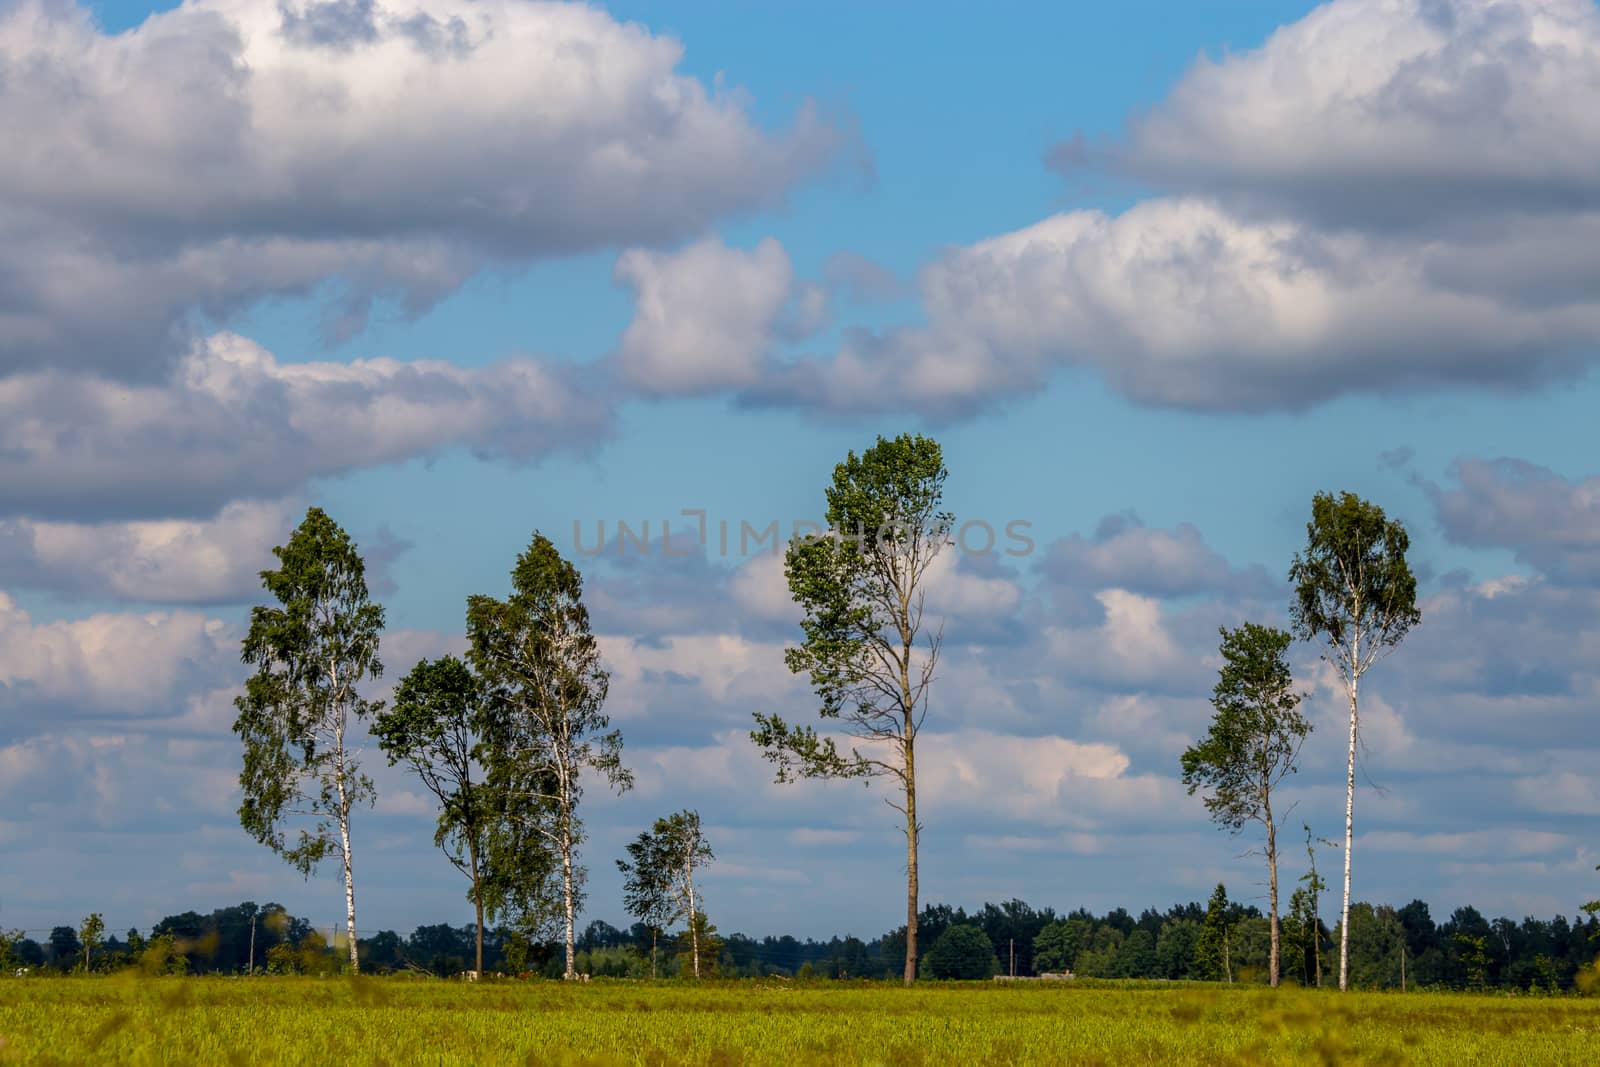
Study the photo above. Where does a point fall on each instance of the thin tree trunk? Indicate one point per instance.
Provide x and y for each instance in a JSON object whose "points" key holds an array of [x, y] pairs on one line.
{"points": [[911, 857], [344, 841], [1349, 835], [652, 952], [1272, 887], [477, 898], [694, 927], [566, 894]]}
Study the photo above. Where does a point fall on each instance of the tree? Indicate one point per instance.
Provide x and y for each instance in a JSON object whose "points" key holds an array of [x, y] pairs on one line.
{"points": [[64, 947], [1355, 591], [544, 688], [1213, 948], [647, 890], [437, 726], [962, 952], [1314, 885], [1253, 743], [706, 944], [658, 886], [310, 654], [93, 935], [1055, 948], [861, 587]]}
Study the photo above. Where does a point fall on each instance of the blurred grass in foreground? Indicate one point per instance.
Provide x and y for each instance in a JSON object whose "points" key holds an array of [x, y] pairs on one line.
{"points": [[129, 1020]]}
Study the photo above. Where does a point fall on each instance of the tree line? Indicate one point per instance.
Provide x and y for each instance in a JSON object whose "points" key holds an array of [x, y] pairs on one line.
{"points": [[509, 738], [1220, 940]]}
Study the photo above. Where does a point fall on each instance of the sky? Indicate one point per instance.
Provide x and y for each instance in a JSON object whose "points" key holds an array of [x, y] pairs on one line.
{"points": [[1153, 274]]}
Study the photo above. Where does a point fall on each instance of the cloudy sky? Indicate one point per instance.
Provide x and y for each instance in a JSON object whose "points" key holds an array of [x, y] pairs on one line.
{"points": [[1153, 273]]}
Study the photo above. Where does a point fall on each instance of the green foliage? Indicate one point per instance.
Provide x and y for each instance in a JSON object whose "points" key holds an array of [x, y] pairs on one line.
{"points": [[1352, 580], [658, 876], [437, 726], [1213, 948], [1376, 939], [162, 956], [1055, 948], [1256, 731], [92, 933], [702, 929], [310, 653], [1475, 958], [961, 952], [9, 960], [544, 690], [859, 589]]}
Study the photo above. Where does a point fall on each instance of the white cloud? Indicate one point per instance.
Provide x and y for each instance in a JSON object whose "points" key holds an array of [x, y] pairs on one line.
{"points": [[121, 665], [1549, 522], [1392, 113], [1180, 303], [166, 560], [705, 317], [234, 422], [231, 149], [1387, 195]]}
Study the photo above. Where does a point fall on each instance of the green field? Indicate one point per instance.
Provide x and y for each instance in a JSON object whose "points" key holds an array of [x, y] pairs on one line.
{"points": [[310, 1021]]}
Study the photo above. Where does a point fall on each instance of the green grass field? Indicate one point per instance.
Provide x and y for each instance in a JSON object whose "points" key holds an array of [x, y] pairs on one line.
{"points": [[128, 1020]]}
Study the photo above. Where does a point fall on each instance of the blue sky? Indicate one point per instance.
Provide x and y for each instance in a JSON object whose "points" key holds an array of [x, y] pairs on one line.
{"points": [[1152, 273]]}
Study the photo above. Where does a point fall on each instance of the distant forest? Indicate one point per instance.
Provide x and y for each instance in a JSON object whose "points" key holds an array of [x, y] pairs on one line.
{"points": [[1219, 941]]}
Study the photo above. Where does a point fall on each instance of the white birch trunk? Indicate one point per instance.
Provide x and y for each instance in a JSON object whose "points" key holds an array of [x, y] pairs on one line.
{"points": [[1349, 815], [567, 904], [694, 928], [344, 848]]}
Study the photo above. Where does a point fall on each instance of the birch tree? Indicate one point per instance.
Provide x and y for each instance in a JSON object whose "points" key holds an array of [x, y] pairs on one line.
{"points": [[865, 648], [437, 727], [1355, 592], [545, 689], [311, 653], [1254, 741], [647, 890], [92, 935], [659, 880]]}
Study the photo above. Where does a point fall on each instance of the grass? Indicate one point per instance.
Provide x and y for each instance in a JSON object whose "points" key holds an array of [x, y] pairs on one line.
{"points": [[127, 1020]]}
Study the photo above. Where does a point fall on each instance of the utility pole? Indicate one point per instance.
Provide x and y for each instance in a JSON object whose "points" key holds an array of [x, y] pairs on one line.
{"points": [[252, 967], [1402, 965]]}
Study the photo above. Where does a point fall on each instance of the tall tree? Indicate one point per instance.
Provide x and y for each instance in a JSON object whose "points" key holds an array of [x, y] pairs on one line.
{"points": [[1213, 950], [1355, 591], [545, 689], [647, 890], [659, 882], [92, 934], [437, 726], [861, 587], [1253, 743], [311, 654]]}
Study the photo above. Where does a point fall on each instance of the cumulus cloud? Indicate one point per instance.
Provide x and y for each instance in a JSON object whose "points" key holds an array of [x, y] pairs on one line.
{"points": [[1181, 303], [705, 317], [1126, 554], [1549, 522], [1387, 195], [231, 149], [1390, 113], [122, 666], [173, 560], [235, 423]]}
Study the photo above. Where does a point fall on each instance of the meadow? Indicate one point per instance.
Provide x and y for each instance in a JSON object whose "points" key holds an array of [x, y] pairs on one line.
{"points": [[130, 1020]]}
